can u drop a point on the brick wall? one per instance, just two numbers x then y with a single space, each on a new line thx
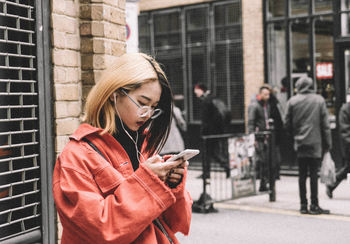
103 36
66 68
86 36
253 49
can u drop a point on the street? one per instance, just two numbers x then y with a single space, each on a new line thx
233 225
256 220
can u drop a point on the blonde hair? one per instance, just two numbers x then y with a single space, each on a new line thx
129 71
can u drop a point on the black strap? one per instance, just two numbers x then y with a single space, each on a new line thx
160 226
94 147
156 222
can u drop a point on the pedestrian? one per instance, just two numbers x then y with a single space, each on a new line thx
276 113
258 121
175 142
307 121
109 183
344 131
212 124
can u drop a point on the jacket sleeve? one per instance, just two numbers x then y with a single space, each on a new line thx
325 128
344 123
251 118
288 121
117 216
181 123
178 215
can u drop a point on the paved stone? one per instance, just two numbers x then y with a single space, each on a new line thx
287 196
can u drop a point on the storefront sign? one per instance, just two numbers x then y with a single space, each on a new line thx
324 70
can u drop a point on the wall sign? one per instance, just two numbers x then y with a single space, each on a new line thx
324 70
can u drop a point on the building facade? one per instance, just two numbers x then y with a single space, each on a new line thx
218 43
236 46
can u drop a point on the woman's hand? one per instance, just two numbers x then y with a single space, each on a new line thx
175 175
162 169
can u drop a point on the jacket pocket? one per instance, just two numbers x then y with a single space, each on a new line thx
108 179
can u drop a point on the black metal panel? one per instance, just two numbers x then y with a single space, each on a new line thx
21 164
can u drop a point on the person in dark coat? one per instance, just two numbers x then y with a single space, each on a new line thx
307 121
212 124
258 121
344 130
276 114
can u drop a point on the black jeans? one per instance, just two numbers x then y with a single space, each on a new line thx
308 165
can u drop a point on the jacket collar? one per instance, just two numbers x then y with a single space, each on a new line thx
83 131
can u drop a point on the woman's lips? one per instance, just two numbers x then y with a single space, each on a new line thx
140 123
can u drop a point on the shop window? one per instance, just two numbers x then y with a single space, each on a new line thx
167 30
300 49
276 8
277 60
347 73
144 34
198 44
168 50
323 6
197 33
299 7
228 73
324 61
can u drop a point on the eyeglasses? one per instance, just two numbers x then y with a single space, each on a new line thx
144 111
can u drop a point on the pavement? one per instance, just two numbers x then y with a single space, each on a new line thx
287 197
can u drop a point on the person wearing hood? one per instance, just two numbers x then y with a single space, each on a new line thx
306 120
258 121
109 183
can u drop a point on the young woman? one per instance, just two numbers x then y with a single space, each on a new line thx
109 184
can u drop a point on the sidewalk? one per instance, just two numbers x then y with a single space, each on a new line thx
287 195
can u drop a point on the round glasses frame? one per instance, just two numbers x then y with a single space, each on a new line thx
144 111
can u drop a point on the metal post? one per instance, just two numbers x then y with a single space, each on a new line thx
272 190
205 203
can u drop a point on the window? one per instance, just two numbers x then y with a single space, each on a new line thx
198 43
300 42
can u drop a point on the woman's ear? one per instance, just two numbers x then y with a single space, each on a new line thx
114 94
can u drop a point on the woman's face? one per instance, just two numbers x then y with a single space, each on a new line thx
147 95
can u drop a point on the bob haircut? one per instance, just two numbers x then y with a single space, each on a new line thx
129 72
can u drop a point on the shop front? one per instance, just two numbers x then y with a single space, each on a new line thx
198 43
308 37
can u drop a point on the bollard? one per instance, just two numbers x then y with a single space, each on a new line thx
272 190
205 203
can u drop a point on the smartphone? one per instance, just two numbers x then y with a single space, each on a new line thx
185 155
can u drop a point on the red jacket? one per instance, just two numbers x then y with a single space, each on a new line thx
107 202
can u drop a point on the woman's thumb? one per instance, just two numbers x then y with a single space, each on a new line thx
155 159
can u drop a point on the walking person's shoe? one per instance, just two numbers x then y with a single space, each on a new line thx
303 209
263 186
329 191
315 209
228 172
